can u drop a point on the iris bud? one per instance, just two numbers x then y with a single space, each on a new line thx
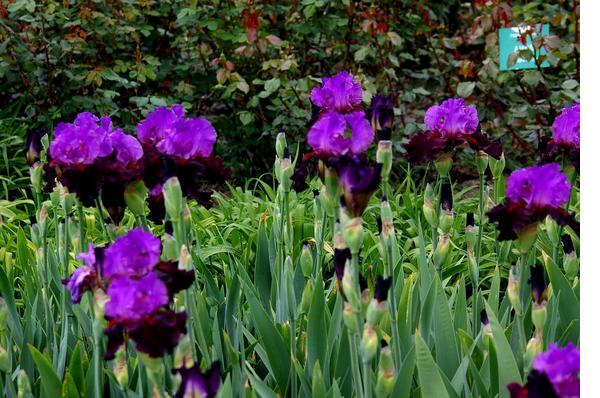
538 315
497 166
513 288
306 297
306 261
35 174
481 159
441 251
280 145
349 317
4 360
368 344
173 198
135 197
571 265
169 248
443 164
3 316
23 385
526 238
376 311
446 220
385 374
429 209
384 156
534 347
349 289
552 230
354 234
120 368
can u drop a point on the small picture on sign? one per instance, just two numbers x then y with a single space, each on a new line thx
519 38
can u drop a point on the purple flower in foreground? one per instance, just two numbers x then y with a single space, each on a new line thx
134 254
132 299
195 383
539 186
561 365
449 125
565 129
532 193
339 93
85 278
555 373
452 118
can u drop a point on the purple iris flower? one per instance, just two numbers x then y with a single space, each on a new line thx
554 374
539 286
452 118
171 134
342 127
532 193
80 142
195 383
340 256
449 125
561 365
382 287
565 140
358 180
565 129
339 93
134 255
86 277
382 115
127 149
131 299
159 124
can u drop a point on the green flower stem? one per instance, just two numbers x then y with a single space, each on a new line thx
367 379
107 234
293 358
81 220
97 330
389 271
356 378
481 211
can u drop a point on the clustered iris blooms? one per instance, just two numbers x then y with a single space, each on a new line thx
450 124
342 127
565 135
140 289
532 193
555 373
182 147
90 156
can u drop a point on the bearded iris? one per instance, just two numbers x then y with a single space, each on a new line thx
532 193
566 135
195 383
342 127
90 156
140 289
555 373
181 147
449 125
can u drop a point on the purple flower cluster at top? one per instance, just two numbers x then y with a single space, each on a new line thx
140 289
449 124
342 127
174 135
555 373
565 129
532 193
90 138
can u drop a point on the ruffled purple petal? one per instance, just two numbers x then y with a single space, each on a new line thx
158 124
562 366
338 93
83 279
326 136
188 139
362 133
565 129
130 299
134 254
451 118
539 186
127 148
